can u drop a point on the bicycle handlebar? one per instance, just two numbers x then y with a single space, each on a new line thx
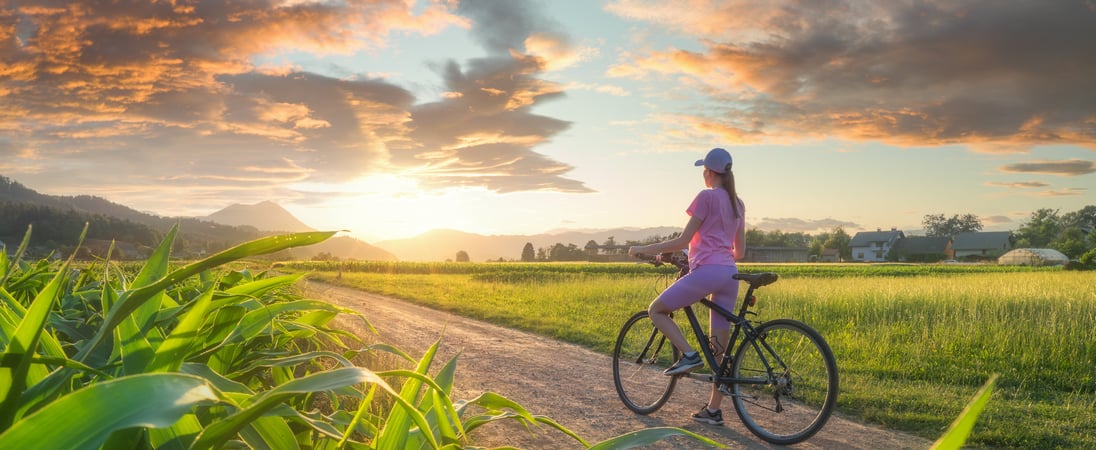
663 258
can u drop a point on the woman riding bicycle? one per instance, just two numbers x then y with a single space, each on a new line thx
714 236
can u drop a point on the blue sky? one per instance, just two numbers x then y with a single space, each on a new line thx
389 118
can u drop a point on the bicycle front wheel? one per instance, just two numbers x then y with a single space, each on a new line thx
792 387
639 357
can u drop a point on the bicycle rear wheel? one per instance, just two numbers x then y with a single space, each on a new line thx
639 357
792 401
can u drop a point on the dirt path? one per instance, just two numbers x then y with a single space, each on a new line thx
570 384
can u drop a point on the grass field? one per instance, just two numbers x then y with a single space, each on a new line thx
913 343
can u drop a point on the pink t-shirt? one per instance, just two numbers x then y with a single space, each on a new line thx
713 243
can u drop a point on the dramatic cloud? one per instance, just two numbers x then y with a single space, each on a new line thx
996 76
1068 168
166 94
482 132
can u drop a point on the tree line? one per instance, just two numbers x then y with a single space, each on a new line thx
1072 233
57 228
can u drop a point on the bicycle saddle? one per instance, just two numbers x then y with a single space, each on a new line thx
757 279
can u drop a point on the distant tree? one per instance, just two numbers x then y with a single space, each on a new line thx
654 239
1078 234
815 248
569 252
1072 242
528 253
591 245
1040 230
1084 218
755 237
936 225
840 240
324 256
777 238
462 256
610 241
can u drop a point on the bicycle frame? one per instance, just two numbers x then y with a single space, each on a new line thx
740 325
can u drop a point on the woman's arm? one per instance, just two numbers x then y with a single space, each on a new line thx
674 244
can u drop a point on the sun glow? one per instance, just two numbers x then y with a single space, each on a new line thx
391 206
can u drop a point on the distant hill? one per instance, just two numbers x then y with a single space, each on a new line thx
271 217
58 220
440 245
343 247
266 216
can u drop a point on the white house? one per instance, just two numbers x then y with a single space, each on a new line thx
869 246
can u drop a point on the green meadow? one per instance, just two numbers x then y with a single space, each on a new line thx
913 342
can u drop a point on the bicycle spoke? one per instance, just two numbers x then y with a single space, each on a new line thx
639 357
800 382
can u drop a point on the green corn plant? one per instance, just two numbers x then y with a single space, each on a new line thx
200 356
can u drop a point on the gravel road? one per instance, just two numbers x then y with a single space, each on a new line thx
570 384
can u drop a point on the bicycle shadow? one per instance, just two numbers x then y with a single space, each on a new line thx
688 397
691 395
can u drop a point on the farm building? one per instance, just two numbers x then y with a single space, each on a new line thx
830 255
874 245
1033 257
981 244
920 249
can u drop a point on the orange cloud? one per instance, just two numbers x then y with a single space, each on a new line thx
148 89
930 73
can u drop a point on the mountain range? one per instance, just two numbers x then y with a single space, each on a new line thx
240 223
197 236
263 215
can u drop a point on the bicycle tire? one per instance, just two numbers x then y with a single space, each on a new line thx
799 395
640 355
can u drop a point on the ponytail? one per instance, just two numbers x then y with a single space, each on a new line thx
728 185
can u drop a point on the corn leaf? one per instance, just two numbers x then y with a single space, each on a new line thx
18 254
257 321
86 418
184 337
134 349
359 415
215 435
179 436
259 287
155 268
270 432
5 264
15 365
649 436
445 421
394 433
960 429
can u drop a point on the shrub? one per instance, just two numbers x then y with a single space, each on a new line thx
1088 260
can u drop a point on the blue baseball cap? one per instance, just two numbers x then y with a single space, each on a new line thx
716 160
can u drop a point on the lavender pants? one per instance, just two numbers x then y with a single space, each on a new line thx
698 283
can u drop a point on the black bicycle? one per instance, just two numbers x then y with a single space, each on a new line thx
781 377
